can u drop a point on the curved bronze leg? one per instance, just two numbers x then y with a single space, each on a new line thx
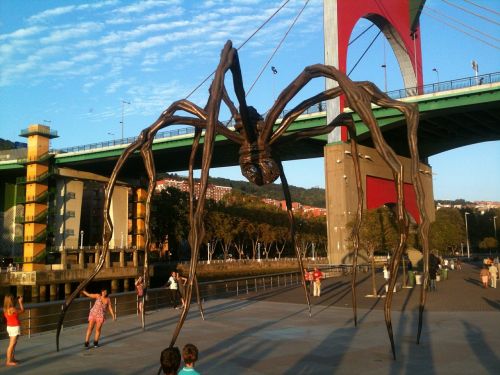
291 220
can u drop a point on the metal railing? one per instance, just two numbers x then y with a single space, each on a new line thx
43 317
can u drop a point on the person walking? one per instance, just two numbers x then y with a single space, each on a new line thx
173 288
484 274
493 271
11 315
97 315
139 289
317 276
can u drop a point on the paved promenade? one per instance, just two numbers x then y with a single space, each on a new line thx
271 333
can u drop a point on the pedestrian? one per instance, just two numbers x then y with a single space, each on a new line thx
485 275
459 264
11 315
190 356
173 288
181 283
307 280
493 271
139 289
387 273
170 361
97 315
317 276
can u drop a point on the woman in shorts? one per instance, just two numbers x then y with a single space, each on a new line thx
11 314
97 315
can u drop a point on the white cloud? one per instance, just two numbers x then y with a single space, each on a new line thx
143 6
71 32
59 11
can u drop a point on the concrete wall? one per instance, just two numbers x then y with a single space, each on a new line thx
341 191
119 216
67 226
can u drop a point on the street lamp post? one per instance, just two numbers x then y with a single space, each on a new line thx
495 229
123 111
437 73
81 239
258 251
208 252
467 234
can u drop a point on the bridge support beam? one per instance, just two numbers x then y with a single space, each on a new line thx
378 188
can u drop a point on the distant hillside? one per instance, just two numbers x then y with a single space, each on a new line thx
312 197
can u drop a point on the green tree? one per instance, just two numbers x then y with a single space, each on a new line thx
447 232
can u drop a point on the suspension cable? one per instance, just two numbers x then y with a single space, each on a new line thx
277 47
482 7
460 30
241 46
461 23
368 28
364 53
470 12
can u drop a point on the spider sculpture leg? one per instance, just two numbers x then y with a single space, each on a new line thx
164 120
346 120
411 114
197 229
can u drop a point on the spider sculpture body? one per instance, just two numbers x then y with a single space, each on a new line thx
259 160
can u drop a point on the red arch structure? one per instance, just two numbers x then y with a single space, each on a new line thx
397 19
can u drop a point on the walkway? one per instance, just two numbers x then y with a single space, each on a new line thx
272 334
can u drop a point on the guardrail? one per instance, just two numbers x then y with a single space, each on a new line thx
43 317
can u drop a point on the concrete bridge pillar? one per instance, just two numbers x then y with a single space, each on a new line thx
378 189
43 292
115 286
64 260
108 259
81 258
126 285
53 292
67 289
135 258
122 258
20 290
35 295
97 255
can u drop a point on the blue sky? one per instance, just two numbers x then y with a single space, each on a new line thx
70 64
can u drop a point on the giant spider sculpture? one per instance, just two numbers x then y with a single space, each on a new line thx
260 163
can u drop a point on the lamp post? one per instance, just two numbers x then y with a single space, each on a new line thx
467 234
121 241
495 229
258 251
437 73
123 111
208 252
81 239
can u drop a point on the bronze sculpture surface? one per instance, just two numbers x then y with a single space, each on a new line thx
260 163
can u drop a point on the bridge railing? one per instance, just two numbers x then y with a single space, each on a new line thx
454 84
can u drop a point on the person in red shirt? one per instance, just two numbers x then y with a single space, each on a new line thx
11 314
317 276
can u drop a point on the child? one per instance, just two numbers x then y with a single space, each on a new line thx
190 356
170 361
11 313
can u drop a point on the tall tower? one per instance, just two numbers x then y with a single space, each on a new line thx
398 21
37 194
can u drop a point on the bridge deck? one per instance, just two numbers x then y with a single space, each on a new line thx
272 334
